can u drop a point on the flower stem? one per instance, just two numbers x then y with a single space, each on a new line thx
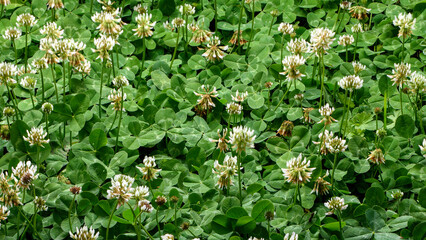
282 99
282 49
115 117
143 54
32 99
26 48
403 48
42 85
109 220
332 174
400 100
337 19
239 178
1 11
91 7
239 24
356 45
344 112
69 212
47 125
100 89
16 52
341 20
215 15
347 55
53 14
347 112
15 105
174 52
270 27
252 29
322 80
340 221
119 120
54 82
156 219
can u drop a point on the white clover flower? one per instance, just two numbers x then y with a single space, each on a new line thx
8 111
239 97
141 192
400 73
291 64
148 171
397 194
234 108
36 137
254 238
4 2
298 170
214 52
7 71
351 82
321 185
346 40
40 63
109 24
167 237
4 213
140 9
326 112
406 23
321 40
103 45
12 33
335 203
145 206
293 236
55 4
26 172
359 12
26 20
178 22
417 82
298 46
225 171
116 98
286 28
357 28
84 234
336 145
84 67
52 31
423 147
358 67
242 138
40 203
205 102
28 82
345 5
145 26
186 9
120 81
47 108
121 189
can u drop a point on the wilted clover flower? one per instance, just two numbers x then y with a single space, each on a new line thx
121 189
36 137
167 237
326 112
423 147
4 132
357 28
406 23
55 4
186 9
84 67
75 190
351 82
214 52
225 171
40 203
417 82
293 236
222 142
145 25
75 57
234 38
199 35
286 128
321 185
400 73
306 117
376 156
47 108
321 40
11 197
397 194
234 108
28 82
103 45
298 46
26 173
12 33
4 2
26 20
291 64
358 67
145 206
359 12
298 170
335 203
4 213
242 138
160 200
240 96
116 98
286 28
346 40
120 81
8 111
85 234
52 31
148 171
345 5
205 102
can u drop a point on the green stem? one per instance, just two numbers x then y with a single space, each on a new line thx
174 52
113 64
282 48
16 52
332 174
134 221
69 212
115 117
1 11
347 55
300 196
269 229
252 28
239 23
13 102
322 80
156 219
8 122
215 16
32 99
344 112
347 113
119 120
337 19
143 54
340 221
356 45
400 100
91 7
282 99
100 89
403 48
42 86
385 106
47 125
29 222
239 178
270 27
26 48
63 78
54 82
175 217
109 220
314 70
53 14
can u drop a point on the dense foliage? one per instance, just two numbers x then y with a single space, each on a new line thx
212 119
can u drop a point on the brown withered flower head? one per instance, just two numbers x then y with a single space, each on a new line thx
359 12
75 190
286 129
321 185
376 156
205 103
306 117
234 38
222 142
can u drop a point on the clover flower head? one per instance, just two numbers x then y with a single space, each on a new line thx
26 172
351 82
406 23
85 234
234 108
225 171
47 108
186 9
205 102
199 35
4 2
214 52
75 190
242 138
178 22
357 28
293 236
26 20
148 171
140 193
28 82
359 12
376 156
321 40
145 206
286 28
104 44
298 170
321 185
4 213
12 33
346 40
397 194
55 4
234 38
116 98
345 5
167 237
335 204
140 9
326 112
222 142
358 67
423 147
306 117
7 71
84 67
8 111
286 129
298 46
36 137
121 189
52 31
120 81
400 73
255 238
417 82
145 25
40 203
291 64
240 96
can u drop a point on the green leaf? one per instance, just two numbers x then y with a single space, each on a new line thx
255 101
333 226
79 103
374 196
260 208
167 7
404 126
221 224
98 172
374 219
236 212
98 138
246 224
61 112
17 131
160 79
197 62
